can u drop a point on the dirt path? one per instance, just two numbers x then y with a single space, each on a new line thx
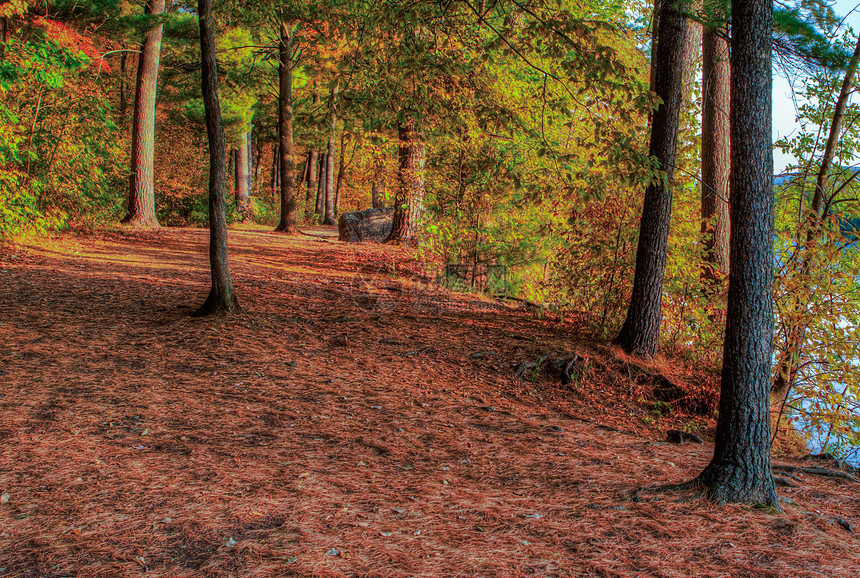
355 421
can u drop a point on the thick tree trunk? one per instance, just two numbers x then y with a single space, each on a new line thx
409 198
641 330
289 216
141 204
222 297
243 178
716 163
740 470
141 197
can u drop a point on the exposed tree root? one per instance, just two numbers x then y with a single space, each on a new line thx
817 472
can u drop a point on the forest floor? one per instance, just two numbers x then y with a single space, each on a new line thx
355 420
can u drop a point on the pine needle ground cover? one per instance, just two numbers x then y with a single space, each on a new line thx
355 420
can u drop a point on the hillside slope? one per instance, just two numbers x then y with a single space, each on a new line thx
355 420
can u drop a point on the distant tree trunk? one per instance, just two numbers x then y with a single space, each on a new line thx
341 169
141 197
641 330
243 178
409 198
313 171
377 188
285 132
692 50
257 165
655 26
321 186
123 86
740 470
819 205
232 173
275 157
328 218
303 181
716 162
222 297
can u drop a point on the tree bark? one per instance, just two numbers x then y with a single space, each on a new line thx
243 178
312 192
329 178
303 180
123 82
256 167
341 169
740 470
141 196
377 188
274 181
716 163
321 186
289 215
222 297
409 198
692 49
641 330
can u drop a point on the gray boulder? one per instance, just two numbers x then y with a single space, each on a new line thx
373 225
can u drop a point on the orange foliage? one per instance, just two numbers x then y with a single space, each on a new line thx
72 40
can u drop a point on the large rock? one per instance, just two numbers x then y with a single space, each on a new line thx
372 225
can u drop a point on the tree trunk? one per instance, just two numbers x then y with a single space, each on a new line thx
274 186
285 132
243 178
341 169
141 197
641 330
377 188
329 178
222 297
409 198
321 186
820 205
257 165
303 180
740 470
123 84
312 192
716 164
692 49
